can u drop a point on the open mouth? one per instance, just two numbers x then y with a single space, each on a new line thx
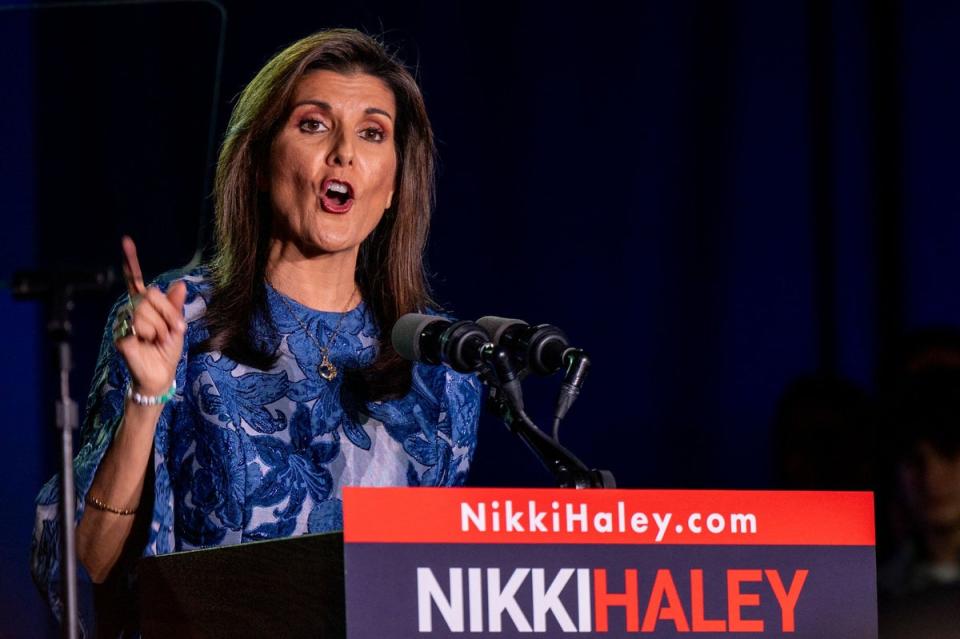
336 196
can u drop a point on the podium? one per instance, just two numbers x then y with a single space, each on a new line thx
280 588
444 562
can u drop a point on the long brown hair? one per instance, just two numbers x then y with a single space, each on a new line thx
390 270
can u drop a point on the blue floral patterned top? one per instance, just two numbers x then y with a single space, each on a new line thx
242 454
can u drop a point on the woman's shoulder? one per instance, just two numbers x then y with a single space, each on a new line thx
197 278
198 281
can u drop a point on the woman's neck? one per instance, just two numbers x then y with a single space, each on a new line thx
323 282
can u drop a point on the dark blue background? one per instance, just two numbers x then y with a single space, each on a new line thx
712 198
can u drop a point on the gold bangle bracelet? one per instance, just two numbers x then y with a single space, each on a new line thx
99 505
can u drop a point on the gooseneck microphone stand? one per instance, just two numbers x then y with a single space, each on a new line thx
566 468
59 290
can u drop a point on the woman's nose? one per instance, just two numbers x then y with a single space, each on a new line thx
341 154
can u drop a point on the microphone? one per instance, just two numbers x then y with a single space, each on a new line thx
544 349
463 346
540 348
437 340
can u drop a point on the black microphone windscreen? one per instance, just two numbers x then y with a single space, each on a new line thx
497 326
407 331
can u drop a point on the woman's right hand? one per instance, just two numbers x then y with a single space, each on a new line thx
154 347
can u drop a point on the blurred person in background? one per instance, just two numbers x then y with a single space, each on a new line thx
924 442
919 573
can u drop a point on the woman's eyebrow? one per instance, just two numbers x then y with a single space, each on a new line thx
326 107
317 103
372 110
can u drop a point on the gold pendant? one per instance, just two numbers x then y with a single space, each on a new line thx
326 368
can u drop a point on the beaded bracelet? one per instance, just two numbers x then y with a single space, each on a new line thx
99 505
151 400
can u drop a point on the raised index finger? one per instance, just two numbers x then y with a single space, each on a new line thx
131 267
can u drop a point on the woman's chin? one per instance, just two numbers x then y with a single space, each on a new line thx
327 244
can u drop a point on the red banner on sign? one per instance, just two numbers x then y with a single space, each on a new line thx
551 516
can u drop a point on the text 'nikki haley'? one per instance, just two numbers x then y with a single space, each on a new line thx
579 600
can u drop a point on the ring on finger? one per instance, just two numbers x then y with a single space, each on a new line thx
123 325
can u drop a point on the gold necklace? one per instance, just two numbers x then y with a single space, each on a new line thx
325 368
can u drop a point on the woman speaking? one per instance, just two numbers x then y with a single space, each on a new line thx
232 402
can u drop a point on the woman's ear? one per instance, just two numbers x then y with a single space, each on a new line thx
389 200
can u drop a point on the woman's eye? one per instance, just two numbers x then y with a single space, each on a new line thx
373 134
311 125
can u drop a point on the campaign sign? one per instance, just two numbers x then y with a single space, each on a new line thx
443 562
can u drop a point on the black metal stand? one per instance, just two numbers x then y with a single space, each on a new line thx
59 290
566 468
59 330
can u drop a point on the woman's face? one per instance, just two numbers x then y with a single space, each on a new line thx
333 163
